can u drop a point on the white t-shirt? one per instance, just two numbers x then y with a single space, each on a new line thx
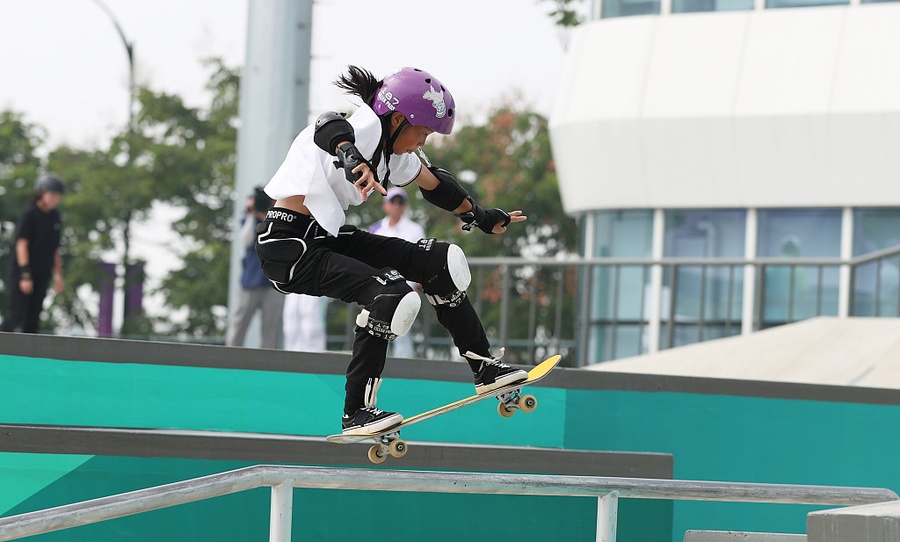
404 229
309 171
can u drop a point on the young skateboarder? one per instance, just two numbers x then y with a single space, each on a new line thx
305 247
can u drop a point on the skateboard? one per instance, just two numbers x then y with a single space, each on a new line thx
388 441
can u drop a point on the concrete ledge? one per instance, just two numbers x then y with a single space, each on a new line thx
868 523
734 536
312 450
229 357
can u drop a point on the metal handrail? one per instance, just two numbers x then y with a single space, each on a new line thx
569 334
283 478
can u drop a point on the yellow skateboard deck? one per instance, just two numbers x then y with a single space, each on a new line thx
388 441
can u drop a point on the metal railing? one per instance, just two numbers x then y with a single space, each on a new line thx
540 307
282 480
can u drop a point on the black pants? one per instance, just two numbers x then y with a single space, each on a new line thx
25 309
301 257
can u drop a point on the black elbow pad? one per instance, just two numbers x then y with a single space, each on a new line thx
332 128
447 195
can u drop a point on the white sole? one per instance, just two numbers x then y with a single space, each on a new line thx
511 379
386 423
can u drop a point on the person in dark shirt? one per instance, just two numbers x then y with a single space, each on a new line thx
37 259
256 293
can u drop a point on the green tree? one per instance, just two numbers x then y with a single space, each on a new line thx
565 12
205 188
176 155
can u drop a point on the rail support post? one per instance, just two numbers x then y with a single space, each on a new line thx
607 516
282 512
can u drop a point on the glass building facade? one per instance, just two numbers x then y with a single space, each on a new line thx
625 8
794 258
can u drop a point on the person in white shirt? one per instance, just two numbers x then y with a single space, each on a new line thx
303 322
396 224
305 246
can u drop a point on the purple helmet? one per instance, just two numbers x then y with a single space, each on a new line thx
422 99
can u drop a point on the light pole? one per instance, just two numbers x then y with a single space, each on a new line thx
126 228
129 50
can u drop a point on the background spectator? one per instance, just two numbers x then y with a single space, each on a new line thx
256 292
37 258
395 224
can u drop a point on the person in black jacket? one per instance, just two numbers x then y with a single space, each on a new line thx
37 259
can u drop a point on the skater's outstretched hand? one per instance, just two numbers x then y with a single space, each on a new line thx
514 216
366 183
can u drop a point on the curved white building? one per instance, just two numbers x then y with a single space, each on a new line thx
760 141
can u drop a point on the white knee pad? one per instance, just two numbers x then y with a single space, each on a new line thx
458 267
405 314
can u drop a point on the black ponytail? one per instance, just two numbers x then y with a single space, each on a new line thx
361 82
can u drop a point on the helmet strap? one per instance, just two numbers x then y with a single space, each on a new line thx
389 147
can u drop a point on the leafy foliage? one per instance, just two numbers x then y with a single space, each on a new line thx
563 13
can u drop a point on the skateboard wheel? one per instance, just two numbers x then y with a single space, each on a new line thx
528 403
505 412
398 448
376 455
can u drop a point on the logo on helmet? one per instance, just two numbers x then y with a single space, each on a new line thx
388 99
437 100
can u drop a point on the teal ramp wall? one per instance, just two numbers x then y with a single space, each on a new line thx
208 390
716 430
747 439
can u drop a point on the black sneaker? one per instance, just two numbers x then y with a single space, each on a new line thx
493 374
369 420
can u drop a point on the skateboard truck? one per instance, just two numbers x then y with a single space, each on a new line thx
512 400
388 444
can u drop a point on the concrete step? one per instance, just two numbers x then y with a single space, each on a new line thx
735 536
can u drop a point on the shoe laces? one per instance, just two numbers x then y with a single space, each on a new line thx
375 411
489 361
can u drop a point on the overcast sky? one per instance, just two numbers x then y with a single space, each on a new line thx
64 66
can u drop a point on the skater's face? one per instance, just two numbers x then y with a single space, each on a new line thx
411 137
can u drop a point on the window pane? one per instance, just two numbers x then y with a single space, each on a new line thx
875 229
620 292
876 288
797 292
799 233
688 6
705 234
623 234
609 341
804 3
625 8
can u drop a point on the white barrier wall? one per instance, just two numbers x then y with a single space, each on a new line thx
772 108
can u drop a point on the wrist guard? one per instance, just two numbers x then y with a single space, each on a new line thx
483 219
332 128
348 158
24 272
448 194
